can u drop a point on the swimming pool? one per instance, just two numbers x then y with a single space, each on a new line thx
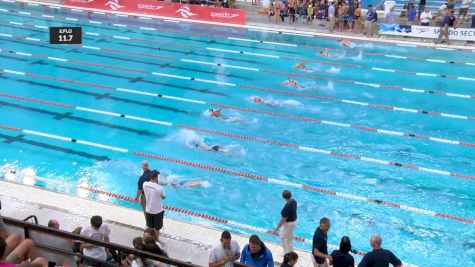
379 138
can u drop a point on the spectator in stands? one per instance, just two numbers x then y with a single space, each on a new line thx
76 245
283 10
22 254
153 206
133 260
145 177
151 246
277 10
291 6
426 16
422 6
224 253
411 15
53 224
288 222
150 232
310 12
256 253
319 245
391 16
448 21
271 11
358 18
341 257
11 240
342 16
331 16
98 231
351 15
450 5
464 6
378 256
371 19
290 259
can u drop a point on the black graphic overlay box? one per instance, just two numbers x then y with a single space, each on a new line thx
65 35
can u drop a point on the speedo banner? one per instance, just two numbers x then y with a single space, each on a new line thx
166 9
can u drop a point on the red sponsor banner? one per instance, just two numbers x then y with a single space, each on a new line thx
166 9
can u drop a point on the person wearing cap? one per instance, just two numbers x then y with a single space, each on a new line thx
153 203
288 222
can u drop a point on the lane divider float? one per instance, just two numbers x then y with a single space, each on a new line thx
244 174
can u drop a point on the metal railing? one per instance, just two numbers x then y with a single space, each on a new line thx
122 250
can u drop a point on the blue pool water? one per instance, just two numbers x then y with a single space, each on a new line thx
425 240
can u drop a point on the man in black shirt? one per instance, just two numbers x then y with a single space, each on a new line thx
145 177
288 221
319 247
379 257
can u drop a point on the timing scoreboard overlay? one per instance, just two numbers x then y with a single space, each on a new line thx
65 35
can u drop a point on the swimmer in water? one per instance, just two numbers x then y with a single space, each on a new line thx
260 101
324 53
291 82
194 183
345 42
205 147
300 66
216 113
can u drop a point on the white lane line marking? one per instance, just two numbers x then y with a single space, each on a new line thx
346 125
6 35
171 75
215 82
14 72
121 37
314 150
413 90
24 13
367 84
118 149
32 4
386 70
466 78
282 44
91 47
426 74
98 111
32 39
148 120
394 56
354 102
408 45
453 116
92 33
47 16
76 10
40 27
144 18
119 25
458 95
55 7
58 59
147 28
443 48
242 39
298 34
222 50
218 64
405 109
15 23
8 1
259 30
57 137
169 20
471 64
98 12
71 19
436 60
95 22
121 15
136 92
24 54
3 10
183 99
260 55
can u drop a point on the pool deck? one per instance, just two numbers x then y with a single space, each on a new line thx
184 241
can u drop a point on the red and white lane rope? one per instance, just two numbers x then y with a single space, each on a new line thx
373 85
347 125
218 220
380 69
358 103
244 174
101 86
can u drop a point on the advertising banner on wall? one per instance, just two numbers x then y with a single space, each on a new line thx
461 34
166 9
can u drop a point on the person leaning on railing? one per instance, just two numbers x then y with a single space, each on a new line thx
23 253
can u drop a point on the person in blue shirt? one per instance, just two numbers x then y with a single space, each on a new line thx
256 253
341 257
447 21
378 256
145 177
370 20
411 15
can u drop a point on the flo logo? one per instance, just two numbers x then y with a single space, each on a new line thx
185 12
114 4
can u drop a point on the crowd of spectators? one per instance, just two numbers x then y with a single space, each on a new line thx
215 3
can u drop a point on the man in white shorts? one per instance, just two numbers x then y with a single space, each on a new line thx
153 203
